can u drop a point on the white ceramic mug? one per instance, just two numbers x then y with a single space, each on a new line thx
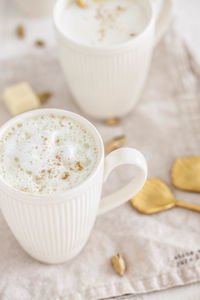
36 8
107 81
54 228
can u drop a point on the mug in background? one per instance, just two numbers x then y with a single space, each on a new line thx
107 81
36 8
55 227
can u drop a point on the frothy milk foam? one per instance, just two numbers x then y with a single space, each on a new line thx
103 22
47 154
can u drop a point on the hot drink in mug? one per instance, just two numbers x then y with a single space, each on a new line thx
105 50
52 168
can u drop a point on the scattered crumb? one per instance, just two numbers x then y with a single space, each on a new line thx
20 31
132 34
44 97
39 43
112 121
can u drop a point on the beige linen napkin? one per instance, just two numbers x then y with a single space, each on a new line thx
161 250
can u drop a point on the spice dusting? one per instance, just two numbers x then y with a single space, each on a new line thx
79 166
65 176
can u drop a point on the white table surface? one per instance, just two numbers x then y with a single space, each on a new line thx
187 13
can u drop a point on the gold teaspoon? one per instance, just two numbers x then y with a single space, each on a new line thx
185 173
156 196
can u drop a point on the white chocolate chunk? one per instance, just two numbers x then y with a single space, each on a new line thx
20 98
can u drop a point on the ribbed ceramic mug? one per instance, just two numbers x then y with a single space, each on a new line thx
107 81
55 227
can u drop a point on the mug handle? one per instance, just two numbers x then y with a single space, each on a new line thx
117 158
163 20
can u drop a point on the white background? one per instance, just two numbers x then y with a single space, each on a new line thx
187 18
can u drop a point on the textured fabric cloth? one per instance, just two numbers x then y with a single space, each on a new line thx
161 250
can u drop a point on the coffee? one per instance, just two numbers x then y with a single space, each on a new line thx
104 22
47 154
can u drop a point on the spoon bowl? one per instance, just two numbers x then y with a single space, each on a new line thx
156 196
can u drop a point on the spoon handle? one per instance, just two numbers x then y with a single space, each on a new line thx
188 205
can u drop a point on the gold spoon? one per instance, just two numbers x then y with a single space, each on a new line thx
156 196
185 173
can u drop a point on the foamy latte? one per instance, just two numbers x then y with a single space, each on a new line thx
46 154
103 22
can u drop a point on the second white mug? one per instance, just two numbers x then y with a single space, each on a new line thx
107 81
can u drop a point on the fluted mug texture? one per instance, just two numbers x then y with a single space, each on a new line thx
108 81
54 227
